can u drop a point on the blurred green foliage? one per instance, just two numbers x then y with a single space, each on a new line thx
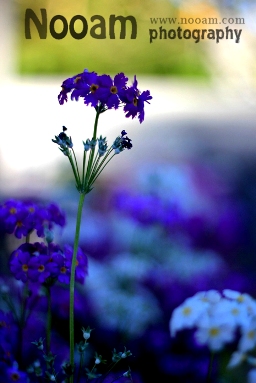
161 57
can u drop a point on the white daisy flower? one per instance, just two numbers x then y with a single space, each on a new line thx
243 299
186 315
214 333
248 338
232 312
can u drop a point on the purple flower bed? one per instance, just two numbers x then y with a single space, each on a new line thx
146 261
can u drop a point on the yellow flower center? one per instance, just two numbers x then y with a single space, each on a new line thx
187 311
113 89
251 334
135 101
25 268
240 299
235 311
214 331
93 88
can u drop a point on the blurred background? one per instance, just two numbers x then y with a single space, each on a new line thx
180 203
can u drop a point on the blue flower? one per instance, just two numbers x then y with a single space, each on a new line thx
121 143
89 144
102 144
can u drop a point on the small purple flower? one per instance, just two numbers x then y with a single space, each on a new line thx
19 264
134 101
109 89
86 86
13 374
46 217
81 263
63 270
14 215
55 215
67 86
40 268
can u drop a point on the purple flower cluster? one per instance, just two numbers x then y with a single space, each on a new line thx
22 217
38 263
219 229
102 90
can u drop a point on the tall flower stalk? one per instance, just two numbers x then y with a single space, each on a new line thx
103 93
72 280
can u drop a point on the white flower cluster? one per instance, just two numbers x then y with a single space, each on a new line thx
114 290
216 318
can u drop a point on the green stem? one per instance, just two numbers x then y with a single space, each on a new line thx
94 165
77 170
11 306
80 367
95 176
72 282
22 322
93 149
21 319
74 171
110 369
208 378
96 124
83 173
49 319
83 190
96 168
28 237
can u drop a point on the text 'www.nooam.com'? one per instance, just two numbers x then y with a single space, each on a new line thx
195 34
